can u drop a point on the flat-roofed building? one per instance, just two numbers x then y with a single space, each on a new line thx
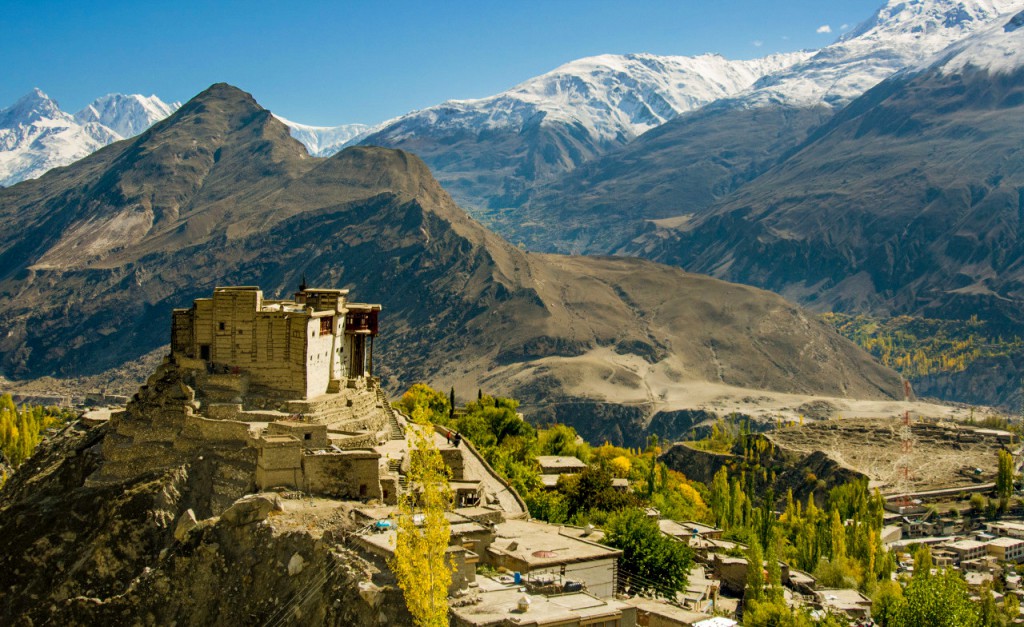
966 550
1006 549
559 464
538 549
846 600
688 530
511 606
1006 528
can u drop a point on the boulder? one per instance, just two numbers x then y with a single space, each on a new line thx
250 509
186 523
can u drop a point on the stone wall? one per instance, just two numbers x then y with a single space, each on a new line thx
279 463
347 475
311 435
453 459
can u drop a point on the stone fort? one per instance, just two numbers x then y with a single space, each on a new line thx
277 395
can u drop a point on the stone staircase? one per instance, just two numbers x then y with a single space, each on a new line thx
397 430
395 468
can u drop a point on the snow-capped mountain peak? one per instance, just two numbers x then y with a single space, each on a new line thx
35 135
612 97
34 105
901 34
324 141
997 49
126 115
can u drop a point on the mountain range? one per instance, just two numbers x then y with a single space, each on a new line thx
220 193
908 201
682 167
798 173
36 136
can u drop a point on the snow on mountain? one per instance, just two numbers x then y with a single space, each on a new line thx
611 97
35 135
324 141
998 49
126 115
901 34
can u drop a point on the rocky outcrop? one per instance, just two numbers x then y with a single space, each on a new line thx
132 540
161 428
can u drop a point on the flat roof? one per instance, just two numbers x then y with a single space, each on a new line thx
540 544
496 606
843 598
685 528
549 481
716 621
559 461
1006 524
1005 541
665 609
965 545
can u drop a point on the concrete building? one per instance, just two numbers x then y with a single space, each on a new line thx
541 552
554 466
510 606
1006 528
1006 549
659 613
966 550
688 531
846 600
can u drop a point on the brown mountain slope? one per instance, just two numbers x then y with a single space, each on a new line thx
910 201
219 194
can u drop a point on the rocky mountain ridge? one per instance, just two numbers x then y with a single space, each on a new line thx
241 202
486 152
678 170
906 202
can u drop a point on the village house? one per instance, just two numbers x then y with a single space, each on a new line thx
554 466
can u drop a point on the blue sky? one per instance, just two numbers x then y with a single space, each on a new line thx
360 61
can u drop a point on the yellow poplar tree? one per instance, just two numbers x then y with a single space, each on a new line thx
420 563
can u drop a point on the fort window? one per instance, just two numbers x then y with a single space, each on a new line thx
239 331
362 490
308 436
204 352
327 325
220 326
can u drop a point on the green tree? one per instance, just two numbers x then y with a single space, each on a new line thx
420 562
651 562
939 600
1004 477
774 614
754 589
423 403
719 499
562 440
886 602
592 489
1011 607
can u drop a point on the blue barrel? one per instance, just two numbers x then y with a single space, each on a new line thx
517 577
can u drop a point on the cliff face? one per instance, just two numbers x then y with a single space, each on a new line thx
140 521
